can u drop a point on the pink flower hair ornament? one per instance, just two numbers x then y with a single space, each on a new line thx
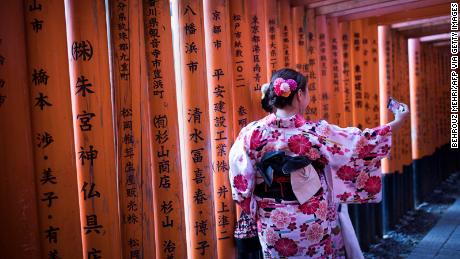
284 87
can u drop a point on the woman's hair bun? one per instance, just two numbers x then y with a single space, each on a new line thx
270 100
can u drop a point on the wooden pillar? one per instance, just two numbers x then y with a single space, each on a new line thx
93 126
324 76
259 54
219 77
415 98
168 199
241 52
370 75
366 77
201 234
299 41
398 84
273 37
385 79
54 151
345 70
336 94
314 107
403 96
129 79
286 38
20 236
357 73
425 65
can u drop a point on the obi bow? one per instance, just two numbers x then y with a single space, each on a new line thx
279 161
304 180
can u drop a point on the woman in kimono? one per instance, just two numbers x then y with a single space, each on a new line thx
295 212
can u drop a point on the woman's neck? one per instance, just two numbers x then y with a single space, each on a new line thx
286 112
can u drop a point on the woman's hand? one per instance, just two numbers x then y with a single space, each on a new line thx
400 117
403 115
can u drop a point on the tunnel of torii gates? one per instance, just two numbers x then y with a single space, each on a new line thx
117 116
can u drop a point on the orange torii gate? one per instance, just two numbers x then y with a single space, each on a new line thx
324 75
241 51
273 41
299 40
162 138
20 221
55 169
93 127
286 36
337 90
345 71
260 70
416 97
357 82
199 195
219 77
385 80
314 107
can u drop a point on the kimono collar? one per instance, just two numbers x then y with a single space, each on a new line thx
294 121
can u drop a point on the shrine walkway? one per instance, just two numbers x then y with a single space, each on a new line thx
443 241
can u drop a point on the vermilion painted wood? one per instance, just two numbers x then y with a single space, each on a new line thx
336 94
52 130
286 36
314 107
385 79
166 172
357 82
20 236
136 213
96 172
416 102
260 71
243 75
345 69
273 36
202 241
299 40
219 78
328 104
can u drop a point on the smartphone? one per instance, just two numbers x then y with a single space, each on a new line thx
394 105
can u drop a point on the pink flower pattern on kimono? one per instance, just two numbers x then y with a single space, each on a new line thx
271 236
299 144
240 182
346 173
335 149
313 154
315 232
361 180
373 185
286 247
321 212
347 161
280 218
310 207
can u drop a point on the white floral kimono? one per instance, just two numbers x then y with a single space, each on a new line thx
347 161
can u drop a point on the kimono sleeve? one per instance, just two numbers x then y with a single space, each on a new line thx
242 173
353 160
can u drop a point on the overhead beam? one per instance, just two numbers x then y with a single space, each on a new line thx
325 3
422 23
403 12
426 30
436 37
441 43
349 6
304 2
